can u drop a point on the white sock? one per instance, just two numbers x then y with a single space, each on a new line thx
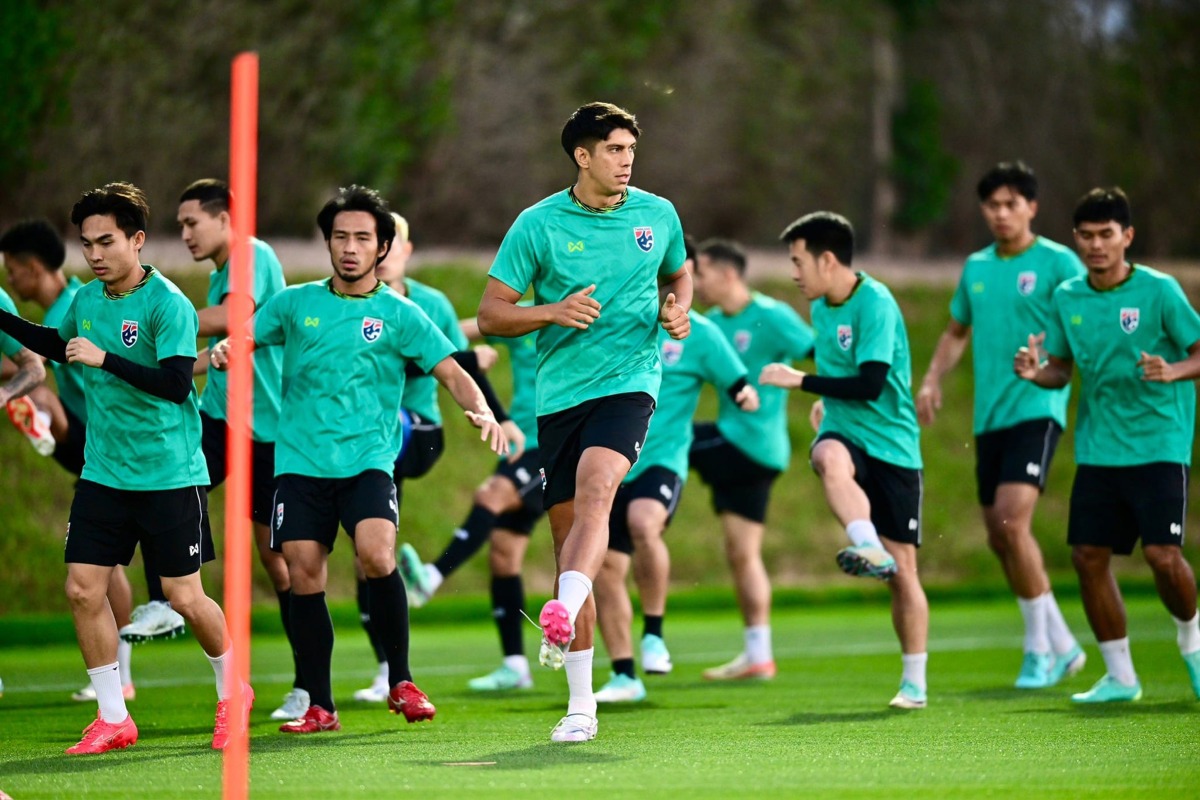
579 682
1189 634
106 681
914 668
435 577
44 418
1037 640
1119 661
862 531
573 590
518 664
222 665
124 653
382 675
758 644
1062 641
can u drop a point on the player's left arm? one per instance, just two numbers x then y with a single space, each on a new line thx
471 400
675 299
866 385
1159 370
1181 324
30 373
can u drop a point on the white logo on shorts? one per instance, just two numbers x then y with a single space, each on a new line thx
1033 470
1176 529
912 524
523 475
665 491
193 549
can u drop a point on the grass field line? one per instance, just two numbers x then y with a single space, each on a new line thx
822 650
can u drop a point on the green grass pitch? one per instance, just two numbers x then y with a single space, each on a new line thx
822 728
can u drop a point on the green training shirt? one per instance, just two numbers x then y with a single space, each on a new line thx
8 345
763 332
268 361
420 393
705 356
522 357
137 441
69 377
559 248
1124 420
869 327
343 375
1004 299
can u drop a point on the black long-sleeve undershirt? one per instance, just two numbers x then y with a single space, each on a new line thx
469 361
732 391
866 385
41 339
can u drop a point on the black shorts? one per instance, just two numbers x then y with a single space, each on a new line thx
310 509
214 439
425 447
1019 454
895 493
69 453
740 485
525 475
617 422
1114 506
656 483
170 524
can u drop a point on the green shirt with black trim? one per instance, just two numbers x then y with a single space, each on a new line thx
420 393
135 440
343 374
560 247
522 357
1124 420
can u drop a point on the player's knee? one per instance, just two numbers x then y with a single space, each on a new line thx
1088 560
1163 559
831 462
597 487
378 562
644 532
83 595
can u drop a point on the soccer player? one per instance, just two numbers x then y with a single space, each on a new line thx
1136 340
606 264
204 224
1003 293
33 257
345 342
867 452
740 455
143 475
647 499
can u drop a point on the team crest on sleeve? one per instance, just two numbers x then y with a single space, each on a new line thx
1026 283
129 332
644 238
372 328
845 336
741 341
1129 319
672 351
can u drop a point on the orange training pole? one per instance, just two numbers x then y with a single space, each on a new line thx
243 174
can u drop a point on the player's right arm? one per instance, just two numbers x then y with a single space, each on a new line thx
950 348
499 314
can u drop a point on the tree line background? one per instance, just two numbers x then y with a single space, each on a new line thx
753 110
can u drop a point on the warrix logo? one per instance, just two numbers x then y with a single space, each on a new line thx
575 247
644 238
845 336
1033 470
312 322
1129 319
87 325
371 328
193 549
1026 283
1176 529
129 332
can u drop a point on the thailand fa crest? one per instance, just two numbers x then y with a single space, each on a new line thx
371 328
644 238
279 516
672 351
129 332
1129 319
845 336
1026 283
741 341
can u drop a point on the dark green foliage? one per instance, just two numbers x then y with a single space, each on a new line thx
923 170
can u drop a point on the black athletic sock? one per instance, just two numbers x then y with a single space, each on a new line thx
623 666
652 626
508 598
313 645
285 615
477 530
364 616
389 616
153 581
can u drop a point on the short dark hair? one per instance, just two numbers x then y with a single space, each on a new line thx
124 202
726 251
1104 205
1016 175
37 238
689 248
593 123
212 194
823 231
359 198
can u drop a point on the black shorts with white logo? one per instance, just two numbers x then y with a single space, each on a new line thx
617 422
526 476
1115 506
740 485
214 439
310 509
894 492
425 446
1018 454
170 524
69 453
656 483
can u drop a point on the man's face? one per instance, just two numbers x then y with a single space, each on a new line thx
610 162
23 272
1102 245
1008 214
807 274
710 280
393 265
206 236
353 245
109 252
